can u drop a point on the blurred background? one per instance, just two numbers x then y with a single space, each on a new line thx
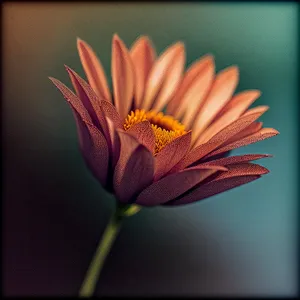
240 243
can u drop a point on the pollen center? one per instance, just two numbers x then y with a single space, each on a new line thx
165 127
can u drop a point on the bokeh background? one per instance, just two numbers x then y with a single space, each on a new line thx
242 242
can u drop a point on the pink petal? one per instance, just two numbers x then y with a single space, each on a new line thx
202 150
171 59
193 88
144 133
107 110
251 129
93 70
143 56
88 97
174 185
263 134
110 111
237 107
93 148
235 176
72 99
134 170
234 159
220 93
213 188
123 77
171 154
114 141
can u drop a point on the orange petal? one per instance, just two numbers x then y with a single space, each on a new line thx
123 77
171 82
93 70
202 150
72 99
144 134
86 94
261 108
142 55
235 176
171 58
264 133
174 185
193 93
221 92
195 70
134 170
237 106
171 154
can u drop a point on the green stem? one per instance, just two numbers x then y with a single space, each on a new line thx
105 244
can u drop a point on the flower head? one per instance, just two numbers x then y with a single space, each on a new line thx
150 157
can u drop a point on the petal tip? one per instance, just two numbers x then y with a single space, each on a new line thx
234 70
67 68
276 132
116 38
210 58
180 46
265 171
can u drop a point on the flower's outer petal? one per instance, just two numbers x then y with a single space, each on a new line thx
144 134
93 144
94 148
98 109
174 185
216 141
234 159
261 108
171 82
88 97
114 141
263 134
72 99
238 106
93 70
251 129
134 170
160 70
220 93
110 111
213 188
193 88
171 154
123 76
235 176
143 55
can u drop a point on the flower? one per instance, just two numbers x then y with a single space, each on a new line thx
150 157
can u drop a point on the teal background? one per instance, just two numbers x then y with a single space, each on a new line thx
242 242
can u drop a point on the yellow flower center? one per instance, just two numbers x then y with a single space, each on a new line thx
165 127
